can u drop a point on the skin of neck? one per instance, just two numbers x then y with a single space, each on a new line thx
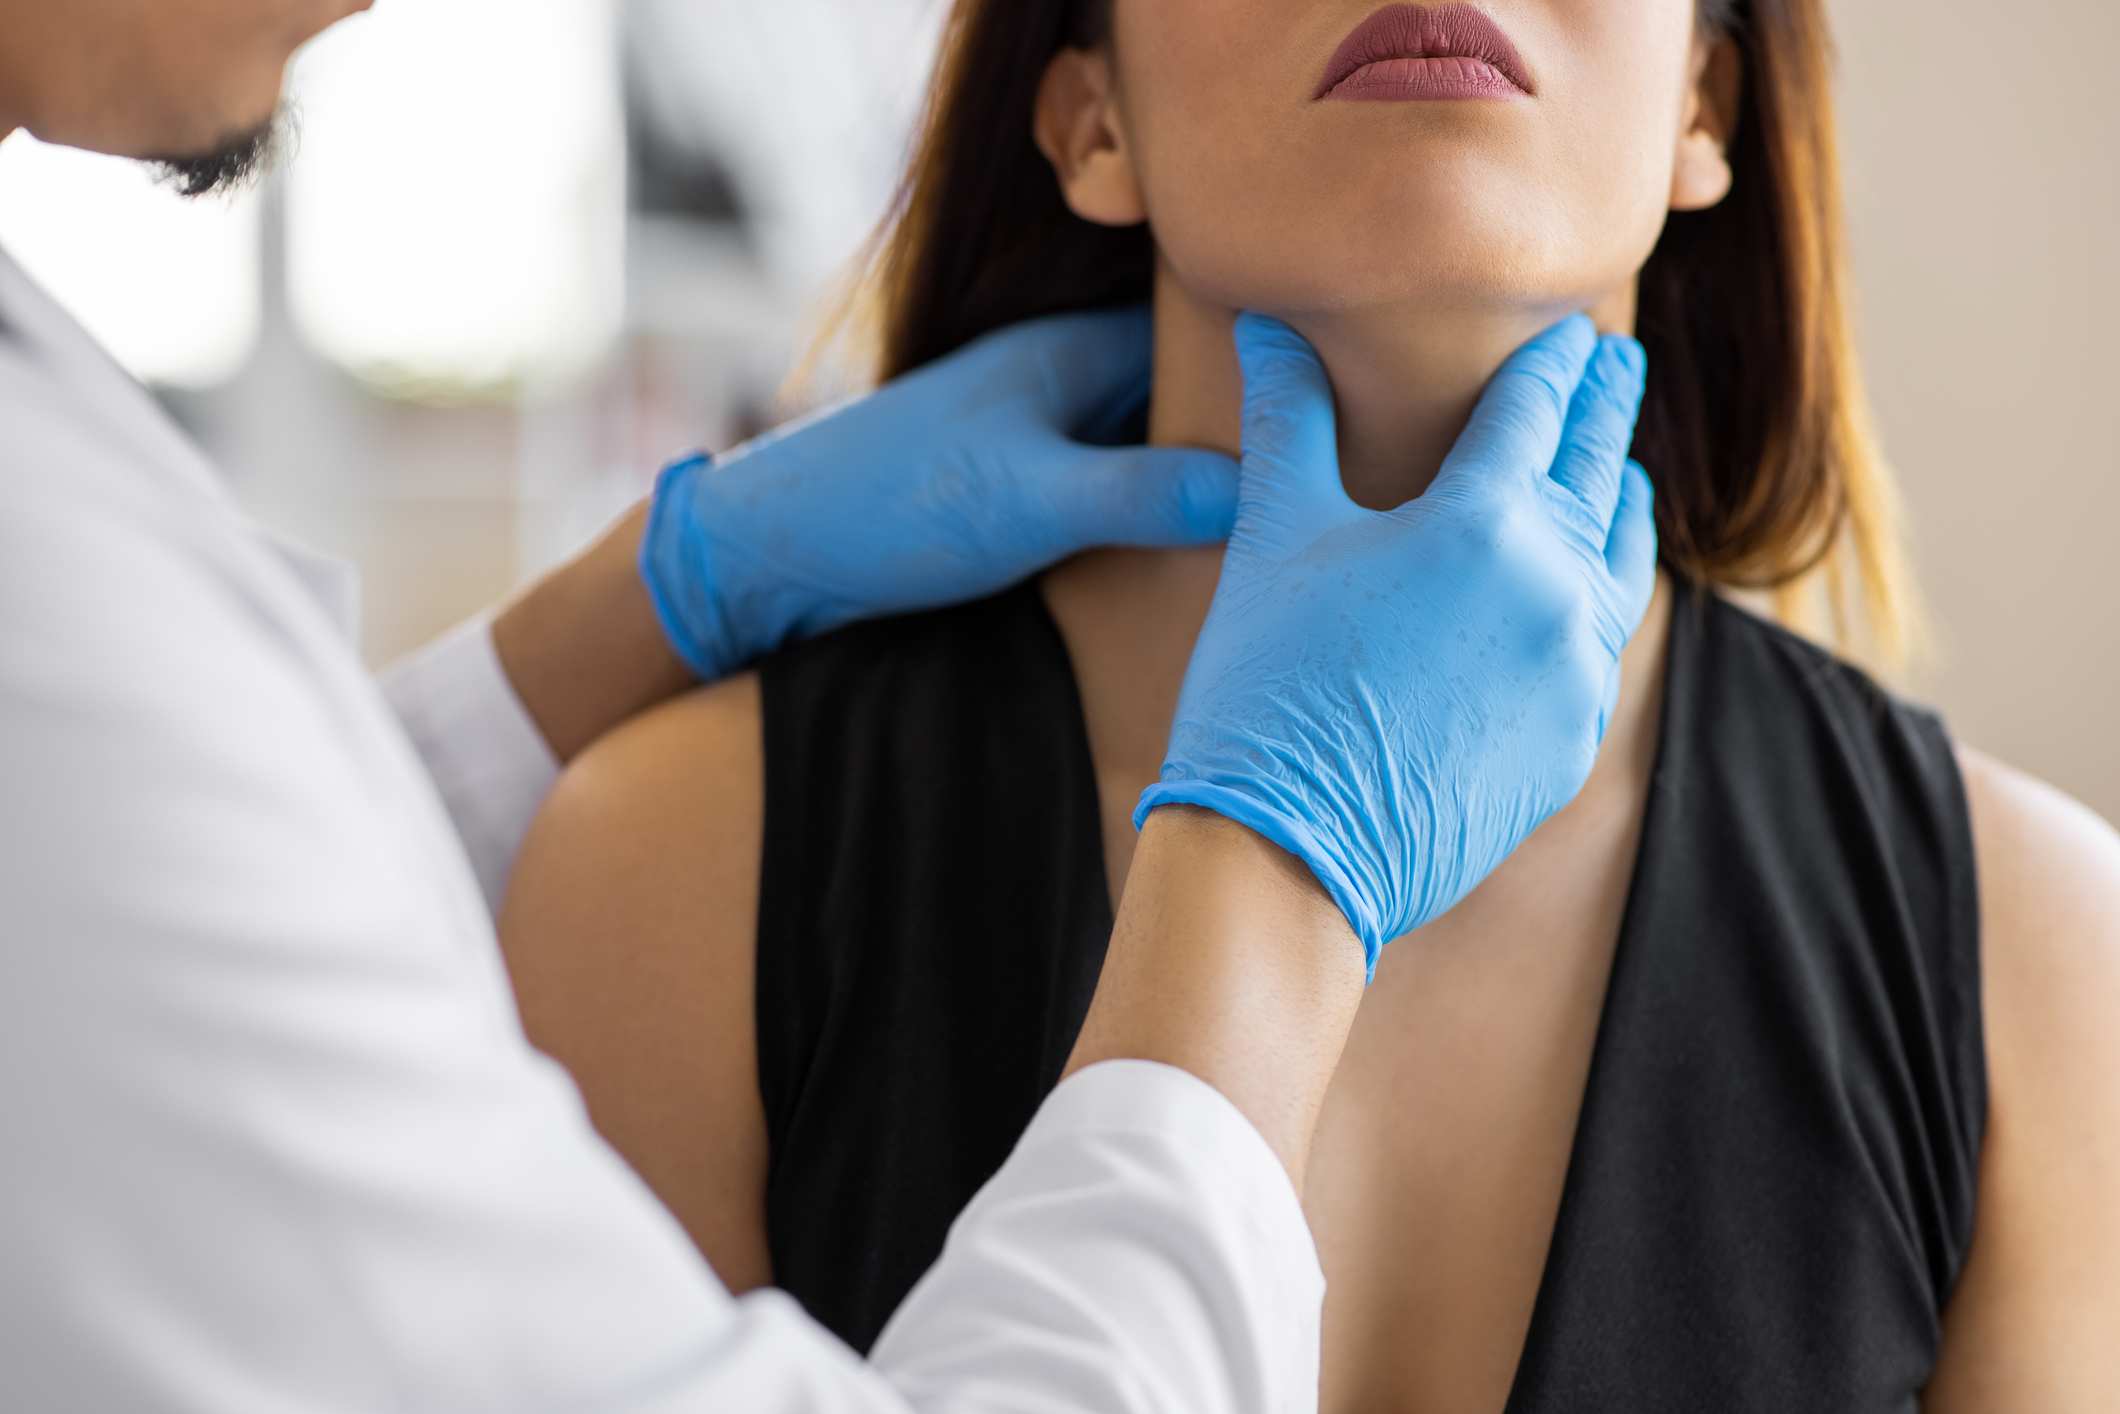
1404 380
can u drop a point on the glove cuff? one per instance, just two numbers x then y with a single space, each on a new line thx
1295 836
673 565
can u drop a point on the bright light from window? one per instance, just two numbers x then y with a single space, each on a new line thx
169 286
456 211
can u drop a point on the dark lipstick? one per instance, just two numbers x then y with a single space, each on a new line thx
1412 52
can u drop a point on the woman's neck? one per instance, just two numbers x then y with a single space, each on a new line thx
1404 382
1404 388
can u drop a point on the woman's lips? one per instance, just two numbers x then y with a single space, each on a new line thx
1410 52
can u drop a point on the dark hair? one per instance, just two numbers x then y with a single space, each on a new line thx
1754 428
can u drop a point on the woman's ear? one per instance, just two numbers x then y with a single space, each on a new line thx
1076 125
1700 176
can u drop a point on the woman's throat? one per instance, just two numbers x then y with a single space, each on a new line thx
1404 381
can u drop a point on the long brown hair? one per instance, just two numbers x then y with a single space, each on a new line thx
1754 427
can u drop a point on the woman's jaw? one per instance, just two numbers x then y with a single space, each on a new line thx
1416 244
1404 380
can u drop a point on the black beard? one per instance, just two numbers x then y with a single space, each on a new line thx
227 168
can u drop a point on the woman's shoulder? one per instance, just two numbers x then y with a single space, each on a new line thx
690 765
2049 876
2050 923
643 852
650 834
628 932
2048 863
2031 1323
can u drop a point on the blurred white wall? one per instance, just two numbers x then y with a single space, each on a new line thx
1985 203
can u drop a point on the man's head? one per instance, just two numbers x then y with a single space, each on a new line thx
190 84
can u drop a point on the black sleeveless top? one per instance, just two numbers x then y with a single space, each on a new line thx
1771 1190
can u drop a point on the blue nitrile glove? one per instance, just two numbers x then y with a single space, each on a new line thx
1398 698
950 483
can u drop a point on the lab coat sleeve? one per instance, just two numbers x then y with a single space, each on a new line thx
489 762
1142 1249
1141 1252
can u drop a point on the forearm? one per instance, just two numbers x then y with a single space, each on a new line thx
1230 962
583 647
1141 1248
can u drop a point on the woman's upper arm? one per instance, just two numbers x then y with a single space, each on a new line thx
2035 1322
630 929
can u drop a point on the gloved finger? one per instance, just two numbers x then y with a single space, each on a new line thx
1630 548
1146 496
1516 426
1291 433
1600 426
1089 369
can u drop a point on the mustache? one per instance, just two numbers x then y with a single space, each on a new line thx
230 165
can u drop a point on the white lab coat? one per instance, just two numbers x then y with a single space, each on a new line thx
271 1138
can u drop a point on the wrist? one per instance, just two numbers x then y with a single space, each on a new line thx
584 648
1249 800
1229 961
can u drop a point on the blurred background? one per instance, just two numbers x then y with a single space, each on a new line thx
526 249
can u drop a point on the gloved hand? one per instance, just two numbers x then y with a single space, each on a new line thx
1398 698
953 482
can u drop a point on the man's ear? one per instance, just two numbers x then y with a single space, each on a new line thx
1700 176
1076 125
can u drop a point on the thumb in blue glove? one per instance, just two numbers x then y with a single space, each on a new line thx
953 482
1398 698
